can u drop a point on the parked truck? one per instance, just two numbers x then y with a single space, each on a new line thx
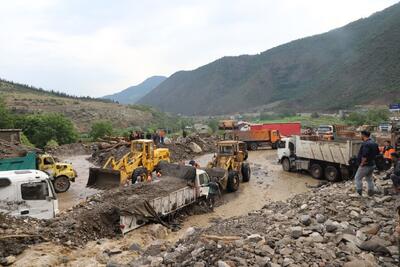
284 128
332 160
27 193
62 173
253 137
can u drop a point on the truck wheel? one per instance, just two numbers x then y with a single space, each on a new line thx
141 171
274 145
246 172
253 146
286 165
316 171
61 184
332 174
233 181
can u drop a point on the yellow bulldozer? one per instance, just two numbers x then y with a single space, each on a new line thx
142 159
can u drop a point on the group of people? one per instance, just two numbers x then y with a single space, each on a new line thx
158 136
366 158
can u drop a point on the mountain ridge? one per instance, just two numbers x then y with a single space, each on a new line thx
355 64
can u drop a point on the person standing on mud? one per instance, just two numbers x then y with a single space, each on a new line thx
366 159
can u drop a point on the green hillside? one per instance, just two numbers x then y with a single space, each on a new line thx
356 64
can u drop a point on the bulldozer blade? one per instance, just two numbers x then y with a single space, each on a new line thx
103 178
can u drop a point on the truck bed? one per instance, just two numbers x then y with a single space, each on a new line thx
330 151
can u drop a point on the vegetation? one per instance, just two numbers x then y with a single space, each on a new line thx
213 124
41 128
355 64
101 129
372 117
25 141
51 144
6 119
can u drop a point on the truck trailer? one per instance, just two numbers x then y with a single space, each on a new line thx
284 128
332 160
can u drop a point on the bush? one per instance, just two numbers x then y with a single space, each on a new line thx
101 129
41 128
371 117
314 115
213 124
51 144
6 119
25 141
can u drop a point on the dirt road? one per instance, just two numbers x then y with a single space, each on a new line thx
268 183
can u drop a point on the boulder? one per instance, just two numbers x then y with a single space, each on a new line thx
195 147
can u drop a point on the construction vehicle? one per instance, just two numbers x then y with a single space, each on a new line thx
62 174
232 159
142 159
252 137
27 193
284 128
333 160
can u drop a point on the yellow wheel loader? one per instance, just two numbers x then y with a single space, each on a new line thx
141 160
231 157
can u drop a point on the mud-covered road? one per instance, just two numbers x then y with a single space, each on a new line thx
268 183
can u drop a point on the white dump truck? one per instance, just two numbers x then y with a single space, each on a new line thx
332 160
178 193
27 193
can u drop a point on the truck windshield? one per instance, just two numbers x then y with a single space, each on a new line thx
48 161
324 129
138 147
35 190
281 144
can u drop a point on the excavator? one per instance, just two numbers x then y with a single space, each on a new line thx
142 159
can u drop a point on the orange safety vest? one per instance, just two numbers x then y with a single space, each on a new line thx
387 153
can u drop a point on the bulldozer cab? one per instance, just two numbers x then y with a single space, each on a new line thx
229 154
146 149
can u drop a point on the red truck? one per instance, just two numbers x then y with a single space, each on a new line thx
284 128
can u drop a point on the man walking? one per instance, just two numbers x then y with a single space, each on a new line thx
366 158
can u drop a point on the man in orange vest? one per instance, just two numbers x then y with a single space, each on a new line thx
388 150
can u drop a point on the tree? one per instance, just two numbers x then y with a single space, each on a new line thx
101 129
213 124
6 119
41 128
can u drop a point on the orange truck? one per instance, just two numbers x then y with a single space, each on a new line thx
254 137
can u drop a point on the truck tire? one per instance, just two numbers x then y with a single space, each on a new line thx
286 165
274 145
246 172
233 181
316 171
141 171
61 184
253 146
332 173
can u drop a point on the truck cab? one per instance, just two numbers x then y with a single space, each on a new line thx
27 193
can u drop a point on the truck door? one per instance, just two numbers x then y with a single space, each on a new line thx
47 165
203 183
37 198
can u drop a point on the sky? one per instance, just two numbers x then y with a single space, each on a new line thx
98 47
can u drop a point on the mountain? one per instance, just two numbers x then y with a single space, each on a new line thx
83 111
355 64
132 94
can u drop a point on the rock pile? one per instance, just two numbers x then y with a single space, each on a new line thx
330 226
11 150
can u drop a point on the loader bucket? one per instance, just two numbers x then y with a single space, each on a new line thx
103 178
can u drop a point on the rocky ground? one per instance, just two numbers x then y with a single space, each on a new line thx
330 226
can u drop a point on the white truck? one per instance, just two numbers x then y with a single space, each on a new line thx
332 160
152 209
27 193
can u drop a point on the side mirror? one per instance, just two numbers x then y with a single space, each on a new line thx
49 198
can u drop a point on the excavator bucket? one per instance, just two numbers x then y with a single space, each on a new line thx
103 178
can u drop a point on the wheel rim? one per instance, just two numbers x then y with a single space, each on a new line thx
61 184
316 172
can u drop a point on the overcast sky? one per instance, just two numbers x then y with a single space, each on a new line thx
97 47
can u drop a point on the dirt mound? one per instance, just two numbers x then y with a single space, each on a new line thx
11 150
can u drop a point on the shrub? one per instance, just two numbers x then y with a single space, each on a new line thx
101 129
51 144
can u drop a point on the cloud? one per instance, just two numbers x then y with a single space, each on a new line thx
90 47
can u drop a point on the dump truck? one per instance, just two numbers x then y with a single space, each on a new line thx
285 128
27 193
142 159
178 187
61 173
232 159
252 137
332 160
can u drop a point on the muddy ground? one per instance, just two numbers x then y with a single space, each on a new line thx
268 183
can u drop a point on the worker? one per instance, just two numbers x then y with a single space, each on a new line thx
213 193
395 174
162 135
387 150
194 164
366 159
